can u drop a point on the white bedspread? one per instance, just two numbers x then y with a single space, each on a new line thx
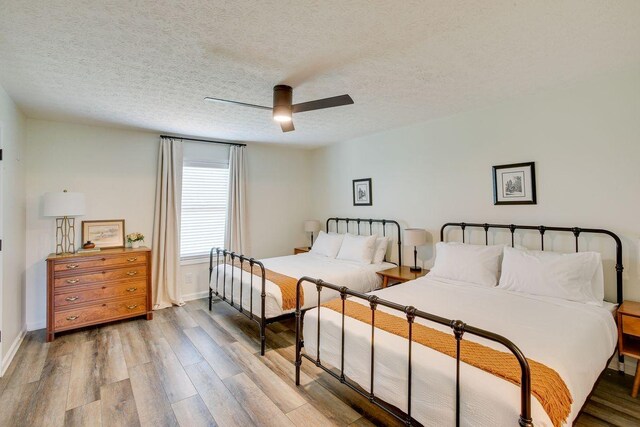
574 339
359 277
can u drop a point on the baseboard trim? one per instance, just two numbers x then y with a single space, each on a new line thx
8 358
195 295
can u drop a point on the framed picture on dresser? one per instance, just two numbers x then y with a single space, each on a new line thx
104 233
514 184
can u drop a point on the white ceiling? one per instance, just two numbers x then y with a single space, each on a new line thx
148 64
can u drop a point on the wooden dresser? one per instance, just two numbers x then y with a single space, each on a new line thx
92 288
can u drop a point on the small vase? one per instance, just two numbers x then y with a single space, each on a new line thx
136 244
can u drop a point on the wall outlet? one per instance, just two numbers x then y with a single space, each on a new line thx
188 279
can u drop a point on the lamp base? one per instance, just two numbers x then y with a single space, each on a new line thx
415 269
65 236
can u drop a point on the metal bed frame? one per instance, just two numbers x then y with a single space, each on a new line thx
261 319
458 328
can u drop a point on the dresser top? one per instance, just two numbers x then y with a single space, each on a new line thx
114 251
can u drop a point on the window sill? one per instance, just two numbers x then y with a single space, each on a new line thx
194 261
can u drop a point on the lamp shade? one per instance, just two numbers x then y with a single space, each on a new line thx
312 226
415 236
64 204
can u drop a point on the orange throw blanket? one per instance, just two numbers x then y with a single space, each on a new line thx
546 384
286 284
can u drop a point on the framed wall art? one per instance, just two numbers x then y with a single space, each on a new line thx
514 184
104 233
362 192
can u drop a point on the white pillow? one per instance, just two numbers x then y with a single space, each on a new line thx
327 244
478 264
573 276
357 248
382 243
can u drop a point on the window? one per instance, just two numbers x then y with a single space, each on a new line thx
205 187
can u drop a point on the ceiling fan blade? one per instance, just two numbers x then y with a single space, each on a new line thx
287 126
318 104
244 104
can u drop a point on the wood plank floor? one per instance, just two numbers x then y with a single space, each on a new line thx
192 367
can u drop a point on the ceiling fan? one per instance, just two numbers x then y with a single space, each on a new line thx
283 108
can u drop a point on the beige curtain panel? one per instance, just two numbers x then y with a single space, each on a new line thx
165 266
235 233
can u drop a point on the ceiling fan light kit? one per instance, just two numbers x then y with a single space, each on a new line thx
283 107
282 101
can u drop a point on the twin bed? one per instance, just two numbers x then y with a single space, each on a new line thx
266 301
424 367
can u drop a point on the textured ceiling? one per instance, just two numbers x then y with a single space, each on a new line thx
148 64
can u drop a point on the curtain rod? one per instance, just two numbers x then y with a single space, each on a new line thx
203 140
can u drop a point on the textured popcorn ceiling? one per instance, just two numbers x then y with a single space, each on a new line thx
148 64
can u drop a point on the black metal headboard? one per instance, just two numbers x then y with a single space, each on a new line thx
370 222
542 229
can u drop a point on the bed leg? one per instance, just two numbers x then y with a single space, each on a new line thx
263 338
621 364
210 298
298 360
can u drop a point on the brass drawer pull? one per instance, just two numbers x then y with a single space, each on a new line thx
71 298
131 273
132 259
73 281
72 317
72 266
132 289
131 307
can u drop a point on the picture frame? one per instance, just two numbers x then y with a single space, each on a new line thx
362 192
514 184
105 234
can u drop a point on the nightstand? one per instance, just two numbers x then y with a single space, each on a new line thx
301 250
399 275
629 336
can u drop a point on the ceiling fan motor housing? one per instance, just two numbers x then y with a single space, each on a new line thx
282 100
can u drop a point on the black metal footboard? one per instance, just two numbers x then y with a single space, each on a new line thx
458 328
224 255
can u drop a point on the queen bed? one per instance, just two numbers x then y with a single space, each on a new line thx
424 384
265 290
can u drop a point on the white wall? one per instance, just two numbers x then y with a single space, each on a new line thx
279 199
585 141
116 169
12 287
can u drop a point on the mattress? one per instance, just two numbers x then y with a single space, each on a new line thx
354 275
572 338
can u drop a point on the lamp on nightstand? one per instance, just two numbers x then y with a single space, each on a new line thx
415 237
64 206
311 226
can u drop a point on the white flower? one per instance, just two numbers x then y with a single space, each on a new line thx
135 237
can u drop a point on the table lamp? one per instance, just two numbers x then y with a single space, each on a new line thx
415 237
311 226
64 206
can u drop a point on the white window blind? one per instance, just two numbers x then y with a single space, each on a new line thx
205 187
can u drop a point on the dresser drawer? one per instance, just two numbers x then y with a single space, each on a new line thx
94 293
631 325
133 272
74 318
104 261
